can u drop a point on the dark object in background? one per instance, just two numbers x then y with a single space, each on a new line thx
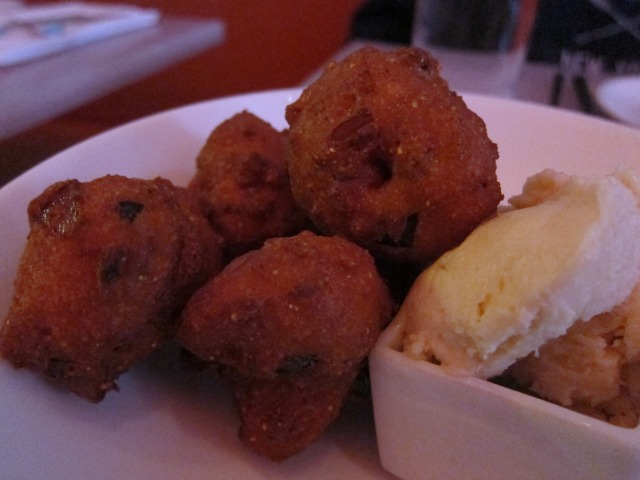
567 24
392 21
384 20
471 25
586 26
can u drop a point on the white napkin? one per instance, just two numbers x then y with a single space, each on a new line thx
29 32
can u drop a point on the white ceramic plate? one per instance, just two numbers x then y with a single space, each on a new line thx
620 98
165 424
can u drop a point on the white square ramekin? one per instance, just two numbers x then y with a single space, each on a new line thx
432 425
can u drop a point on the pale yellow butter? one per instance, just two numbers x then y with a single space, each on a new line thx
568 251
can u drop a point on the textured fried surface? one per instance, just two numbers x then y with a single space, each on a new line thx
241 173
107 266
294 321
386 155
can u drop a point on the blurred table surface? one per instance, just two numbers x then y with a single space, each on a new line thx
42 89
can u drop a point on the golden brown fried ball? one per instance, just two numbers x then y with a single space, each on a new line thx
383 153
293 322
241 173
107 267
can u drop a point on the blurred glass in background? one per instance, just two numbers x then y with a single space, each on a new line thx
481 45
595 37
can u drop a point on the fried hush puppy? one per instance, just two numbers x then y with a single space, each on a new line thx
383 153
107 266
241 174
291 325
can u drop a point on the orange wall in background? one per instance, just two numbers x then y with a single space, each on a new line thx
269 44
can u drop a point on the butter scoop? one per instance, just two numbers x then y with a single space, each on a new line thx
567 251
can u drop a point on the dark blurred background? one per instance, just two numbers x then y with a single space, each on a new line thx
586 25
